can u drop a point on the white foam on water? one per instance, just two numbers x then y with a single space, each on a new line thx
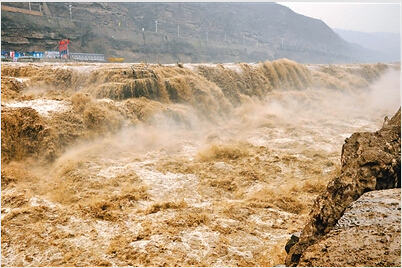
170 186
43 107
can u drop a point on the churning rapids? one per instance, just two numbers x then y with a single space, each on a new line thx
174 165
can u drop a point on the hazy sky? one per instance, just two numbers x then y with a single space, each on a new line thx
364 17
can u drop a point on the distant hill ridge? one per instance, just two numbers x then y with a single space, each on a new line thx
387 43
172 32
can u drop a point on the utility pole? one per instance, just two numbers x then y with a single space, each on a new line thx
29 4
156 26
70 6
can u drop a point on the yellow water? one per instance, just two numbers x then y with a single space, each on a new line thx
198 165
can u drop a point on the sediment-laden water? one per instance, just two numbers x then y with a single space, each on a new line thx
174 165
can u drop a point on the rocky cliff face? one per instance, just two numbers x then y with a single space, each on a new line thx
171 32
370 161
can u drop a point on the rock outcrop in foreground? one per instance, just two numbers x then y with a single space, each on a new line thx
368 234
370 161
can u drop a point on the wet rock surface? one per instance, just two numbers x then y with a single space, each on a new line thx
368 234
370 161
292 241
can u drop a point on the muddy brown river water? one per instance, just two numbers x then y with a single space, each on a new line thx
150 165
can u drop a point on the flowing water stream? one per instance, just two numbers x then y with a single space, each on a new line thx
193 165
